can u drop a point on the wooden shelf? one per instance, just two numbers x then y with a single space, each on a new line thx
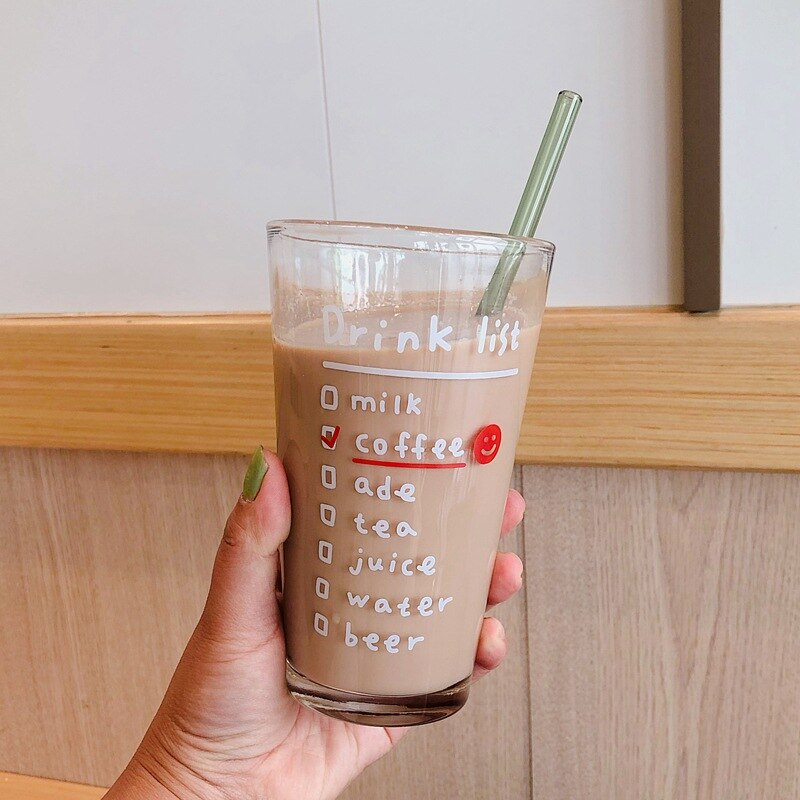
22 787
628 387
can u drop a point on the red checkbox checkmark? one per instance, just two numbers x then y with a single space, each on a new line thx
329 439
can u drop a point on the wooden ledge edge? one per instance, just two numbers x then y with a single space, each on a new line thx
24 787
652 387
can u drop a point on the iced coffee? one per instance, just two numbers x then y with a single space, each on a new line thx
398 414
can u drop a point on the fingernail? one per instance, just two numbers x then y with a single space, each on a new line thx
254 476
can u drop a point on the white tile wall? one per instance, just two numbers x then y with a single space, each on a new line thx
437 108
760 152
143 144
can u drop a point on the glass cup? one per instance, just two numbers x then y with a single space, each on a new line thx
398 415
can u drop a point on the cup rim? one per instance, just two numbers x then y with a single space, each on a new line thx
285 227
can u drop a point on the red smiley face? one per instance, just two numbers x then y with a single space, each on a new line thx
487 444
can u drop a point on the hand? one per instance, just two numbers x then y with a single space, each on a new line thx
228 727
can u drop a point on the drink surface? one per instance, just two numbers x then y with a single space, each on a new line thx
398 436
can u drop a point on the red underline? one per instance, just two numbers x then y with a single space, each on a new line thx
401 464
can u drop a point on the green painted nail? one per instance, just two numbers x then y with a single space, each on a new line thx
254 476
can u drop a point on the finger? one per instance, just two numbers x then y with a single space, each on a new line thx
512 516
491 647
242 605
506 578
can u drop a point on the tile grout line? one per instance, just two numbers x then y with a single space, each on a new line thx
325 108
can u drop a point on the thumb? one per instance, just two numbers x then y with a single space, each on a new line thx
242 606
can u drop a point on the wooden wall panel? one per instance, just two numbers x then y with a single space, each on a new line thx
481 752
663 617
106 560
655 650
104 568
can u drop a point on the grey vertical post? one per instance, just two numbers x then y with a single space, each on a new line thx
701 154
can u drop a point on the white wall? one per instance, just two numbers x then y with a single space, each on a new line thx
760 152
143 144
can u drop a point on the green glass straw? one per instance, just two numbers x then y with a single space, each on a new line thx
533 200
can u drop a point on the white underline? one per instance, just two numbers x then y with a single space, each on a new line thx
417 373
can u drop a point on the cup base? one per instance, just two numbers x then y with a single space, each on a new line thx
386 711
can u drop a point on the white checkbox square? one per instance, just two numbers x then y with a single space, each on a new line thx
328 433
